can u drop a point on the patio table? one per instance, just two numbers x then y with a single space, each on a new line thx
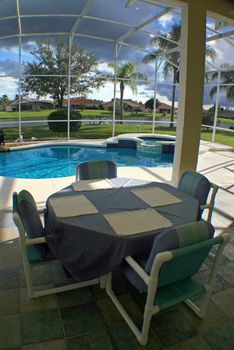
87 245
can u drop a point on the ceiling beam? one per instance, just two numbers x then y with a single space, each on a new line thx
129 3
144 24
216 32
219 36
81 16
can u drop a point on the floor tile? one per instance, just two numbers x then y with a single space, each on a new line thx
9 278
97 292
124 339
94 341
172 327
41 326
225 300
213 318
229 251
221 338
203 277
227 272
10 255
109 312
9 331
51 345
78 320
9 301
42 303
41 274
57 273
195 343
75 297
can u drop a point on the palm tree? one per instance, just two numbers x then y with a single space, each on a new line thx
127 74
227 78
165 42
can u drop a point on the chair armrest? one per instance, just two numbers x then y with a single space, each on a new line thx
32 241
138 269
205 206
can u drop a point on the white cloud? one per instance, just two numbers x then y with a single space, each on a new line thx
166 19
9 87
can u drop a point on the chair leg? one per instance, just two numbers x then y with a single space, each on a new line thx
103 282
199 311
142 336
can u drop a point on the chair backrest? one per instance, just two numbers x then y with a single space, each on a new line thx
97 169
195 184
189 245
28 222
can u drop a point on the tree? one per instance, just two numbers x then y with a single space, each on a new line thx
227 77
52 58
150 103
4 100
127 74
165 42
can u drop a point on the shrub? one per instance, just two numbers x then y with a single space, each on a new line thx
62 126
208 118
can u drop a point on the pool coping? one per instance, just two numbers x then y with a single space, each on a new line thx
205 146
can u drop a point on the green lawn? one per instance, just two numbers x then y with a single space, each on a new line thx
33 115
92 114
29 115
105 131
100 131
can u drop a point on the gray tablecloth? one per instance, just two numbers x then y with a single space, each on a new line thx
87 245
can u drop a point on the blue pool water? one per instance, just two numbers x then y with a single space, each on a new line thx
59 161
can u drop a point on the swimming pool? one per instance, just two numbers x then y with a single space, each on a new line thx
59 161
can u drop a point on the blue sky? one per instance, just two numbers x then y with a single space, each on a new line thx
109 10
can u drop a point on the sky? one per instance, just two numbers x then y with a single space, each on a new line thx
115 10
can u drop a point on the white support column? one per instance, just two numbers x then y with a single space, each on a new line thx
216 106
114 102
155 91
69 89
19 88
192 69
20 65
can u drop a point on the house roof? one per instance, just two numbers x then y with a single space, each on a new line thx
164 106
29 100
81 100
129 103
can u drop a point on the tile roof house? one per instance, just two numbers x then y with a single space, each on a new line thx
127 104
82 103
29 104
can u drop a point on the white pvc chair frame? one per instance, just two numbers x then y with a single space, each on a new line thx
24 242
210 204
152 282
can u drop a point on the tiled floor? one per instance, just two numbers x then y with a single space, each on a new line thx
87 319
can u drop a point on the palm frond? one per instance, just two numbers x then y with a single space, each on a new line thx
210 52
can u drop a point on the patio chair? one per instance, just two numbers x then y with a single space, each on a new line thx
166 275
96 169
33 244
198 186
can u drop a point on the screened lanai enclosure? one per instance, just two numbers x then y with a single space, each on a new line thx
104 58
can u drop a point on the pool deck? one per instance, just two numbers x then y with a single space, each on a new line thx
215 161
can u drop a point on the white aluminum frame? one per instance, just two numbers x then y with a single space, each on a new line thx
120 42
